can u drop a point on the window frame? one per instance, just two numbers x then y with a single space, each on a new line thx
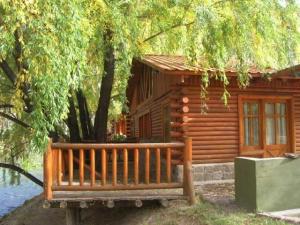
263 147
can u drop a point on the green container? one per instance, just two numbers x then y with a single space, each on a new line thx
270 184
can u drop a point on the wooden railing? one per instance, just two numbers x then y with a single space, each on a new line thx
105 167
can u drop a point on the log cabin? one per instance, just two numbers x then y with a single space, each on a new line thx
261 120
178 131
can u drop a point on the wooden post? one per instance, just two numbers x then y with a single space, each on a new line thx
136 166
81 167
125 169
103 166
92 172
73 216
70 158
188 185
48 179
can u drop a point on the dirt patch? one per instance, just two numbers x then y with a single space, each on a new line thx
32 212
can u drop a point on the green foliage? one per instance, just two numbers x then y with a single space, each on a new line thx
63 44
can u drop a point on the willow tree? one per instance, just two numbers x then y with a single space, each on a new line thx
65 64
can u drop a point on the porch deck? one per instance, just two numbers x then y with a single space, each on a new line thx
82 175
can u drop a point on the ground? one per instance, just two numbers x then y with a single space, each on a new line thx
215 206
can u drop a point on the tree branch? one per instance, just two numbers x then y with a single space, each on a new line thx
6 106
8 71
168 29
17 121
23 172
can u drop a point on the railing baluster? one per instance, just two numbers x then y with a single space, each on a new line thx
114 167
136 166
103 166
168 165
59 167
70 154
158 165
81 167
125 161
147 166
92 172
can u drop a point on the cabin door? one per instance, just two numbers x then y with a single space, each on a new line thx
265 126
276 128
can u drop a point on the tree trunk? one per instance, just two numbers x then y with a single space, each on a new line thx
101 117
85 120
72 122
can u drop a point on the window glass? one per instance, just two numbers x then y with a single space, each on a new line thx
269 109
255 125
281 123
251 124
254 108
246 131
270 131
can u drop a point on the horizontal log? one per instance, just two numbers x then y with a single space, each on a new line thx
215 142
217 156
197 147
205 161
117 187
197 118
209 152
213 124
215 138
212 133
117 146
213 129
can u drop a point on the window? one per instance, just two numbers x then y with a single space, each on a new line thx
145 126
251 123
145 85
276 126
264 124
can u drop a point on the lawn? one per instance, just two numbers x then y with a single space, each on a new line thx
204 213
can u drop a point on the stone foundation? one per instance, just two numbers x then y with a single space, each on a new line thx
209 173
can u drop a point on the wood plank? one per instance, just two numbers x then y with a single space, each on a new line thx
136 166
103 166
71 169
81 166
168 162
117 187
147 166
59 167
158 166
125 161
92 158
114 167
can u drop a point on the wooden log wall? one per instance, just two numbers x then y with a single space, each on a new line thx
216 134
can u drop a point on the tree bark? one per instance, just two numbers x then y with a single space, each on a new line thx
72 122
84 116
101 117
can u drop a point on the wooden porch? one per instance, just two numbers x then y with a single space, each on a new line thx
84 175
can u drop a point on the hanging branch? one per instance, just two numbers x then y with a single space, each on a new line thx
14 119
23 172
168 29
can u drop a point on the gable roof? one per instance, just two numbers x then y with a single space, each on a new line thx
177 65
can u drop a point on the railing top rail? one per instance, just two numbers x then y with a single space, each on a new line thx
115 145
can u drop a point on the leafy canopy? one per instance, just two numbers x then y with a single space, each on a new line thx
62 45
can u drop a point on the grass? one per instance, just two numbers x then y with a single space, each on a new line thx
204 213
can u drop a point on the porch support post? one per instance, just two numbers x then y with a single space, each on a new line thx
188 185
48 180
73 216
